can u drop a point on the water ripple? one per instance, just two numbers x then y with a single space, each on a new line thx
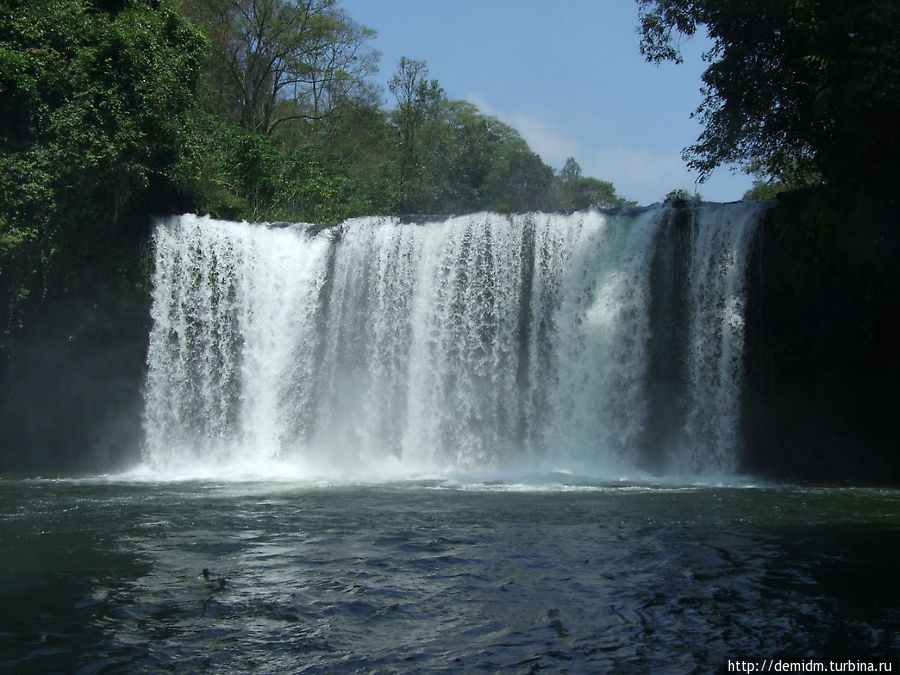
414 579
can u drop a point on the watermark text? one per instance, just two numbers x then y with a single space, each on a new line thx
807 666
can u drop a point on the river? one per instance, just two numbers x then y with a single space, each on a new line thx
553 573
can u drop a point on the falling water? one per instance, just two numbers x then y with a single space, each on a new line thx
602 343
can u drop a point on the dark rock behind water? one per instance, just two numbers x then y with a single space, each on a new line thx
822 358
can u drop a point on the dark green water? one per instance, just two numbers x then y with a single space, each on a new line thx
102 577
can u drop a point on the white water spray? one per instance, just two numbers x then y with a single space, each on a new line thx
485 342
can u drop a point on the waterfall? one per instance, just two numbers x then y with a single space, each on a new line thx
598 342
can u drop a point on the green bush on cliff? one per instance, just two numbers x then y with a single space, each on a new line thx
93 110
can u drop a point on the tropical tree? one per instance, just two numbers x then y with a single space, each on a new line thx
577 192
93 108
453 158
274 62
570 172
681 195
418 104
518 179
805 89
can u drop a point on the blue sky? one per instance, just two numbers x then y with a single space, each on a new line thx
568 75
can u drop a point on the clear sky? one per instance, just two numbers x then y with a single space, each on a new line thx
568 75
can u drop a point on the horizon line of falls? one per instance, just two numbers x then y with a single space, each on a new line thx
605 344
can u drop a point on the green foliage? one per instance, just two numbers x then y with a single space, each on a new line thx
281 63
93 110
805 89
577 192
763 190
420 107
682 195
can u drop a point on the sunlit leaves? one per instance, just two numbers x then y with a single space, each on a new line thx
93 109
805 90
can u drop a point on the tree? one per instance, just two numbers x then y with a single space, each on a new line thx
763 190
518 179
274 62
682 195
418 101
577 192
93 113
597 193
805 89
570 172
362 141
485 164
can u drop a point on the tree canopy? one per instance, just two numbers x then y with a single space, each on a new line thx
273 62
800 91
94 103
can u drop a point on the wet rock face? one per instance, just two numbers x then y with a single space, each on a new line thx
823 319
